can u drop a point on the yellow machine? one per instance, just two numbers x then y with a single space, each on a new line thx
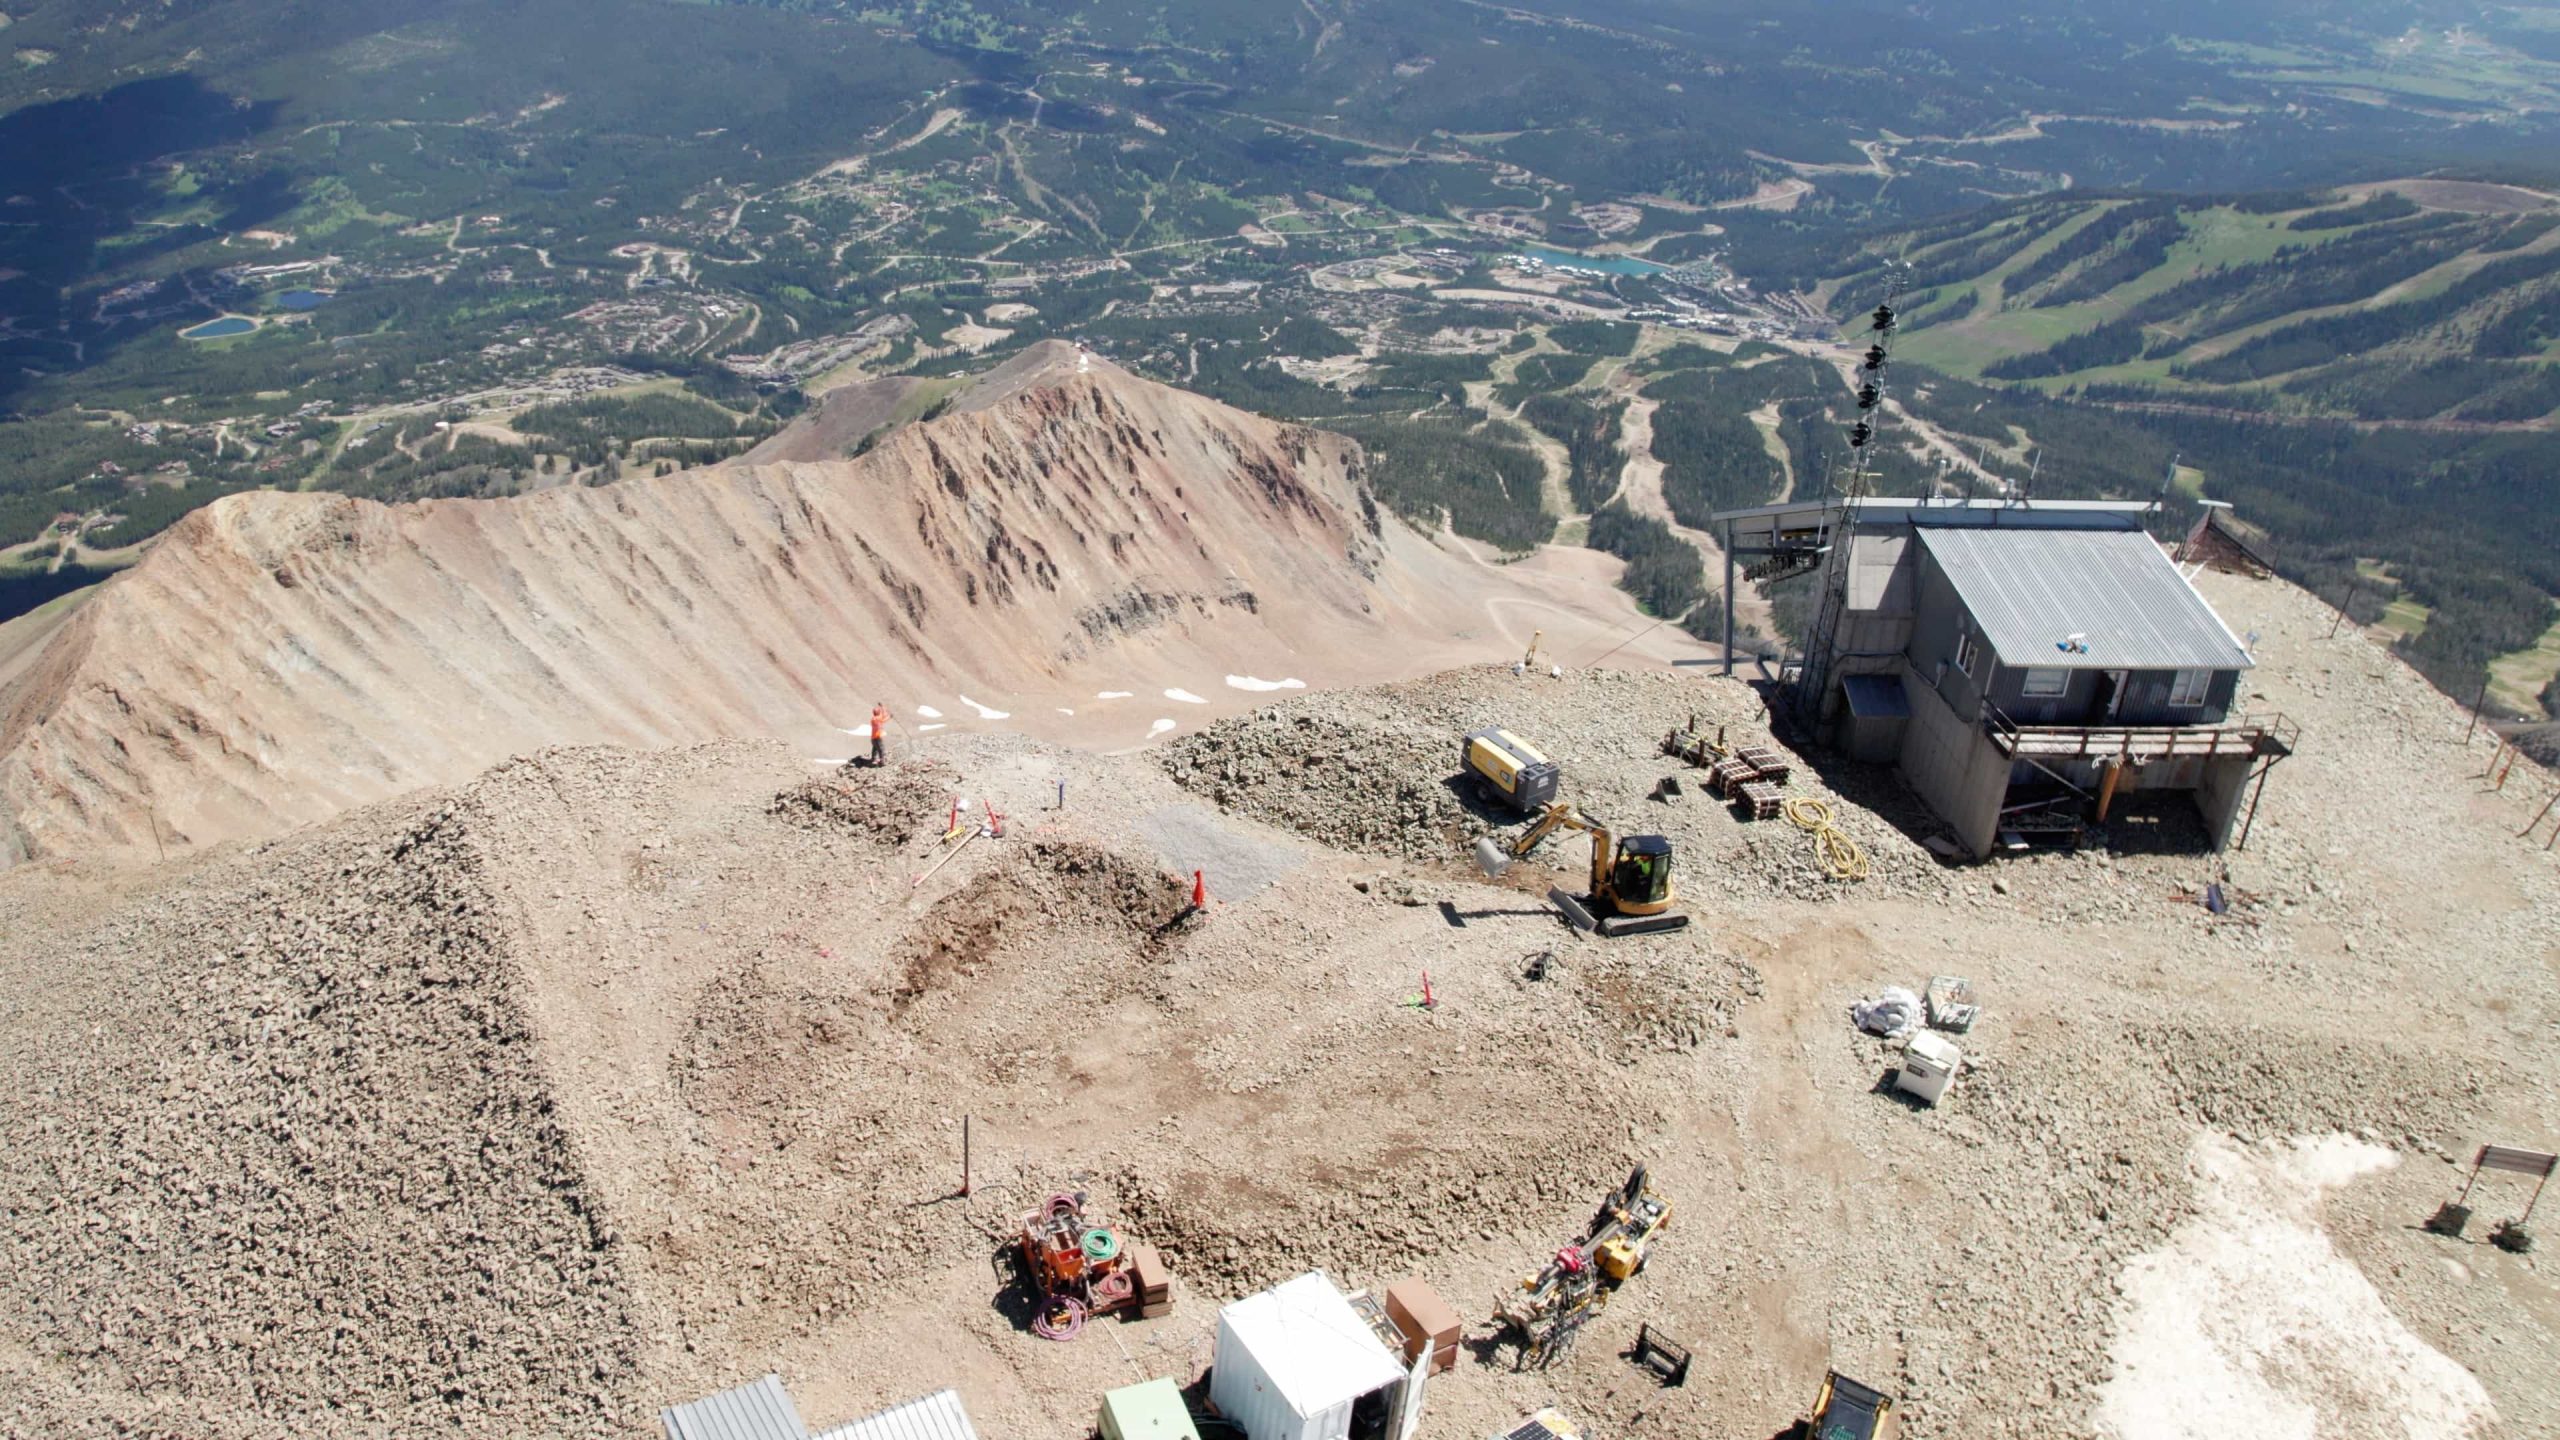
1847 1410
1631 887
1510 769
1554 1304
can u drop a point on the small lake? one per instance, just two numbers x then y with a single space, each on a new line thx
304 299
224 328
1606 264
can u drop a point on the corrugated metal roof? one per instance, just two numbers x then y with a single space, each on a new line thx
1311 1344
937 1416
2031 590
761 1410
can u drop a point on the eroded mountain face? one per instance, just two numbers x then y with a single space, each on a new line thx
280 657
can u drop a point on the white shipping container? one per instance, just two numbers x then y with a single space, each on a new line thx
1293 1360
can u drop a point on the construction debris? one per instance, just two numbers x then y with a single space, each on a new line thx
1894 1013
1082 1269
1950 1004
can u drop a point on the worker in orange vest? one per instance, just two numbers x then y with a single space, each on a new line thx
879 732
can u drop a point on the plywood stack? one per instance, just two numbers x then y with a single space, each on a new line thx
1155 1282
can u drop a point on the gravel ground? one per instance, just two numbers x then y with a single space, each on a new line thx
612 1078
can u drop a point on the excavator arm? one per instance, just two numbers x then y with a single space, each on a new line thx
1565 817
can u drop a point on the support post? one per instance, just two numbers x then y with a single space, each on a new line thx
2343 602
1728 599
2476 703
2254 795
2107 788
964 1155
2537 818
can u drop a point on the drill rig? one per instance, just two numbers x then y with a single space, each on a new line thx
1554 1304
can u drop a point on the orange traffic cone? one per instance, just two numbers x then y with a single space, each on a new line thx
1199 890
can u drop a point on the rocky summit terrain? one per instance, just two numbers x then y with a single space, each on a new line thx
610 1077
1061 529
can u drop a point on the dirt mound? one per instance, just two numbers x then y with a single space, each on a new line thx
1336 771
1377 771
891 804
1031 901
304 1161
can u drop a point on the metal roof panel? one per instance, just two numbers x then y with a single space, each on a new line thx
758 1410
937 1416
2030 591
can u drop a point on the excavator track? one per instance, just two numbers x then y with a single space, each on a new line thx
1617 925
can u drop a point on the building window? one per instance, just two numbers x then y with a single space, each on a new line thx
2189 687
2048 683
1964 650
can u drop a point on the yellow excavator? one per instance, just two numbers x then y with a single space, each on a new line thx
1631 888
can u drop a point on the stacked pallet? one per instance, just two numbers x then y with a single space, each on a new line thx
1760 799
1732 771
1155 1282
1771 765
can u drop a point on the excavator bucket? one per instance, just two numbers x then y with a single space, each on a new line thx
1574 911
1617 925
1491 858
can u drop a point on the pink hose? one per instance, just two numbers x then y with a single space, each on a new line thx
1061 1319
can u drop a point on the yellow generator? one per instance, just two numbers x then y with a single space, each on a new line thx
1510 770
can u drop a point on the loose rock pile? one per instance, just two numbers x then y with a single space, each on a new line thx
308 1165
1378 771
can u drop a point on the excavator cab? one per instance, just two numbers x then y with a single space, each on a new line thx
1640 879
1847 1410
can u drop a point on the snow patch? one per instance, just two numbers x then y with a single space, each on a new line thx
1250 682
1063 710
926 711
1113 695
820 760
985 712
923 728
2247 1321
1185 696
1159 728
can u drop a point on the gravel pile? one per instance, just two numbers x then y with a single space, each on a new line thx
306 1163
891 804
1377 771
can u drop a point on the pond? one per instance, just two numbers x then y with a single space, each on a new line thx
304 299
1607 264
224 328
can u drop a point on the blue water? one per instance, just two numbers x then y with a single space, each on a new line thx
303 299
1608 264
228 325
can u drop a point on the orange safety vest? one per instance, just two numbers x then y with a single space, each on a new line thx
879 722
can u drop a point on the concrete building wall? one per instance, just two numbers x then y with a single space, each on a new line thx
1954 767
2222 793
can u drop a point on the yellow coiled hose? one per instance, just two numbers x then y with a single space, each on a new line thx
1840 856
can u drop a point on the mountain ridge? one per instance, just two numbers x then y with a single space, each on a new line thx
279 657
